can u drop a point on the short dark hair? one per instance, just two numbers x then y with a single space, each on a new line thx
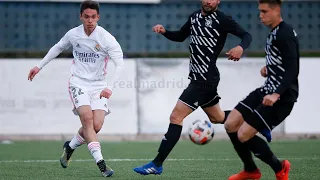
89 4
271 2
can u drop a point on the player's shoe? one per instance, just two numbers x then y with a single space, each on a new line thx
267 134
284 173
106 171
149 168
66 155
243 175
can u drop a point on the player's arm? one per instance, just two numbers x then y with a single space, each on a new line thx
288 48
54 51
116 55
231 26
178 36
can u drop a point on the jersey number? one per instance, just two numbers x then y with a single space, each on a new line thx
74 92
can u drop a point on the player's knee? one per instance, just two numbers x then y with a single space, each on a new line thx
243 136
175 119
87 121
97 127
213 120
230 127
233 122
216 120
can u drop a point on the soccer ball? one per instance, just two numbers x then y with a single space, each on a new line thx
201 132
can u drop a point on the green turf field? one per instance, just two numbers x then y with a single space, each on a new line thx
214 161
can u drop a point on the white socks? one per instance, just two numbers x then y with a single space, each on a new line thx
94 147
76 141
95 150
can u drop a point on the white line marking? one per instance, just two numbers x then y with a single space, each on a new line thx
130 160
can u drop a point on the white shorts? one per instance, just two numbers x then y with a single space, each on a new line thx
83 92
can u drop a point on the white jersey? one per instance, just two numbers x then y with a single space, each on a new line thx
91 54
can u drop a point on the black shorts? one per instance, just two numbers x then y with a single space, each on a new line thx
199 94
259 116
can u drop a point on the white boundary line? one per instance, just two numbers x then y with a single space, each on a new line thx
131 160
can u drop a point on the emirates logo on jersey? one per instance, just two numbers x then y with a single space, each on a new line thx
97 47
86 57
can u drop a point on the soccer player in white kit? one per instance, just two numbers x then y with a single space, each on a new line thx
92 47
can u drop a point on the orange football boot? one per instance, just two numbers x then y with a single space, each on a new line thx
243 175
284 173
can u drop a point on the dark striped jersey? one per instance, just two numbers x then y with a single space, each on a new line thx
282 62
207 37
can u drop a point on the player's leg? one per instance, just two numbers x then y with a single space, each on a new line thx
70 146
86 118
259 147
266 117
169 140
234 121
98 119
232 125
79 98
209 102
212 108
78 139
95 147
172 136
185 105
216 114
100 110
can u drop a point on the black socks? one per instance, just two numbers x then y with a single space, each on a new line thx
225 116
262 151
243 152
169 140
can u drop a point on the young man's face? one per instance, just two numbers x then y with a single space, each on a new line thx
268 13
89 18
209 6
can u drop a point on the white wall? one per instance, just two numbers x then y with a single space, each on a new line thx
43 106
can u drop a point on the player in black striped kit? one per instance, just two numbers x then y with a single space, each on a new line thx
207 29
267 106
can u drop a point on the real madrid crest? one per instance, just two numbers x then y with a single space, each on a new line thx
97 47
208 22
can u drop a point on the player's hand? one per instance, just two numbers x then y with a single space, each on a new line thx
235 53
33 72
106 93
159 29
270 99
263 71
